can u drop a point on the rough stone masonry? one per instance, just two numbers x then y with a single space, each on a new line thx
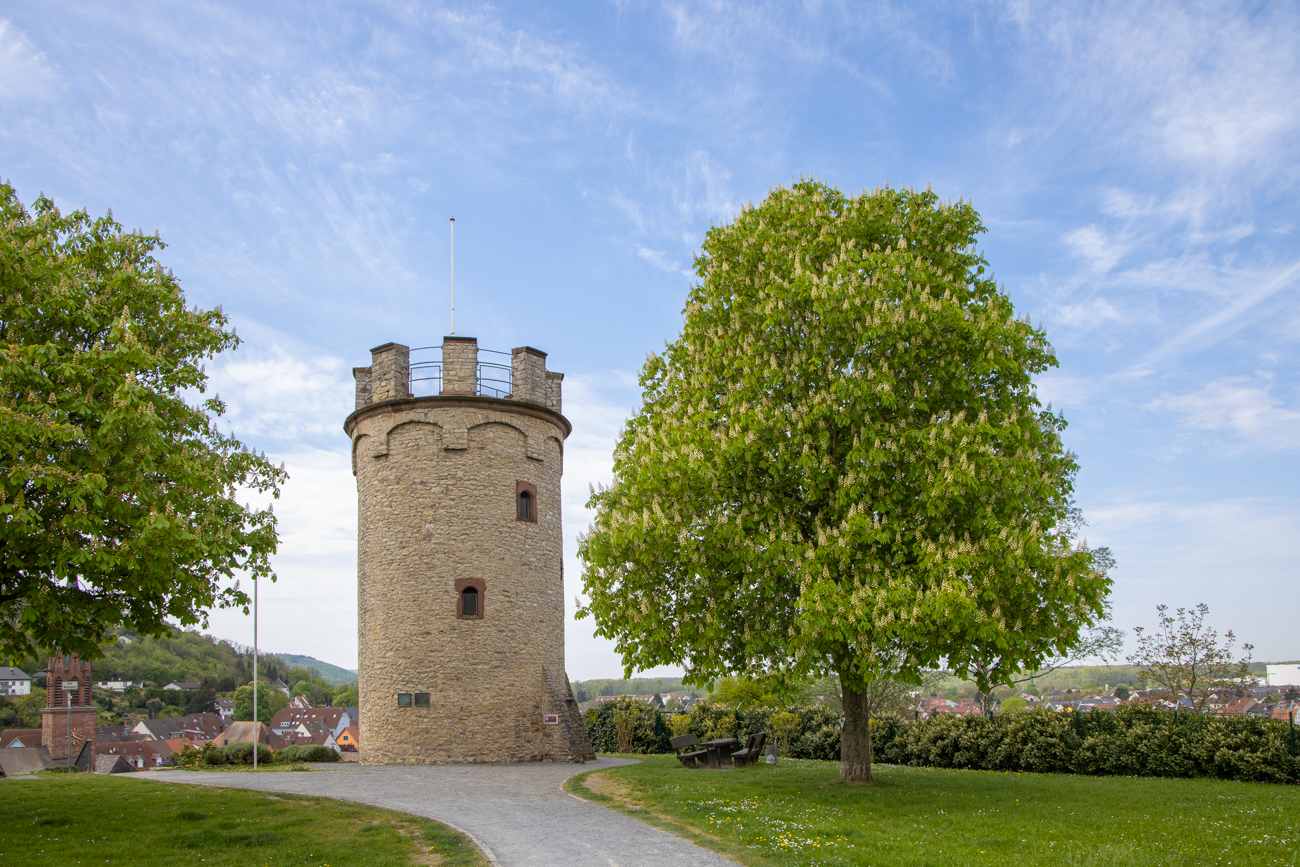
460 561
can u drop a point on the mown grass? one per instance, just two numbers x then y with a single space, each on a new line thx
800 815
87 819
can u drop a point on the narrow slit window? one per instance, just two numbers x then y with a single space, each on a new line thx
421 699
403 699
526 502
469 602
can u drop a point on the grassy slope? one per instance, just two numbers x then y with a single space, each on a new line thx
64 820
915 816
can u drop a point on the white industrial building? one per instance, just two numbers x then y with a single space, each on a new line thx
1283 675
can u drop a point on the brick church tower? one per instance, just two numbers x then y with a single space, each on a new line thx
68 678
460 583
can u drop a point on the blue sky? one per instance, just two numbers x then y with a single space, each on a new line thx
1136 165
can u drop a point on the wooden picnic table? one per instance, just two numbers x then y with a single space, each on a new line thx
719 750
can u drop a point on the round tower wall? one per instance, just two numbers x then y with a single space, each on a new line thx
438 480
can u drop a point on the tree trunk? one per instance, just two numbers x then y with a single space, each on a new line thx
855 740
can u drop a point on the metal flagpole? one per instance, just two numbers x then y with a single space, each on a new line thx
68 696
254 674
453 276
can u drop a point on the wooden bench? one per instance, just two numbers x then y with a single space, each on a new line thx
750 754
682 745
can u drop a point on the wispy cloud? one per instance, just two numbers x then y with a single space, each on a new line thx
1101 251
1224 321
1228 553
24 72
661 261
276 397
1235 406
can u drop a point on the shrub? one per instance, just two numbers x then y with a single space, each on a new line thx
709 720
642 730
1130 741
239 754
784 726
306 753
187 757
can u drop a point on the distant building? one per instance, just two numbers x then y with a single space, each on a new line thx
14 681
19 738
226 709
120 685
192 727
1283 675
184 685
244 732
312 720
68 718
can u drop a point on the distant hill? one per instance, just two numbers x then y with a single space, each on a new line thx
193 656
331 674
586 690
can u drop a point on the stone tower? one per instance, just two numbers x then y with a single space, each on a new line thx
460 583
68 718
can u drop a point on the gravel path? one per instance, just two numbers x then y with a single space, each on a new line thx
518 813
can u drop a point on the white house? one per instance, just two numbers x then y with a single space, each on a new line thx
1283 675
14 681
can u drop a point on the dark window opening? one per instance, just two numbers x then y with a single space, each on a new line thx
403 699
421 699
469 602
526 502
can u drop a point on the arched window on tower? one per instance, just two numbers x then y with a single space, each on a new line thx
526 502
470 594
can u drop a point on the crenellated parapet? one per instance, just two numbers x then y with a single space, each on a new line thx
457 368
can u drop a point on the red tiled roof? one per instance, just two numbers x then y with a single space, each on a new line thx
25 737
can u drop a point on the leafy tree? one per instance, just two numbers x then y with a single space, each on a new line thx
1185 657
1014 705
345 695
316 691
1291 694
21 711
749 692
117 493
1122 692
204 700
841 465
269 700
154 706
991 667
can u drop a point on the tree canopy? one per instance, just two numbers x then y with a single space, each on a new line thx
118 501
1184 656
841 464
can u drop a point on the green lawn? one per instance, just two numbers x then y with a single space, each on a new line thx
87 819
915 816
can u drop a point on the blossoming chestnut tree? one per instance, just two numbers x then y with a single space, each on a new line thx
841 465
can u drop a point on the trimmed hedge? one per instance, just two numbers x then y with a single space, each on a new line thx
306 753
709 720
1131 741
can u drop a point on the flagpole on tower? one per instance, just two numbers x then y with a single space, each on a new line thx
453 276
